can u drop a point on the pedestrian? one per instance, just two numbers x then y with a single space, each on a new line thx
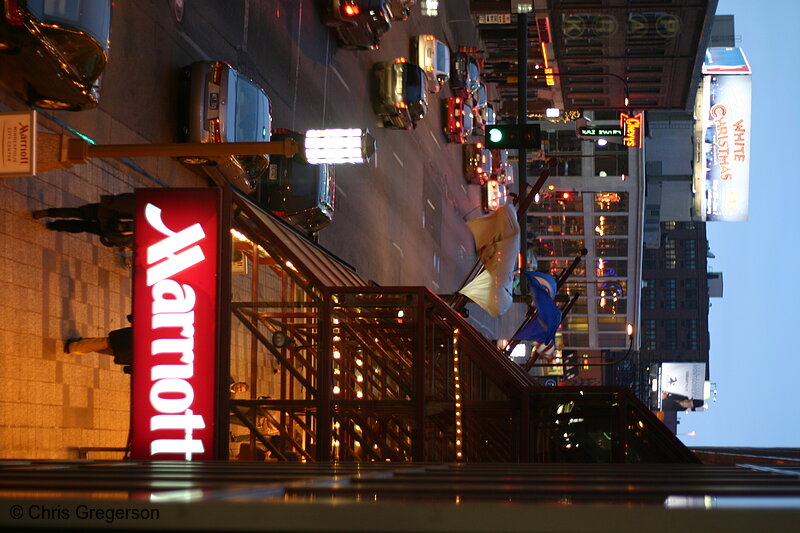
111 219
118 343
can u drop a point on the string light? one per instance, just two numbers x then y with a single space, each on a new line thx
458 441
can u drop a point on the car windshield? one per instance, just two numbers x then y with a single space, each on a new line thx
442 57
413 79
90 16
249 108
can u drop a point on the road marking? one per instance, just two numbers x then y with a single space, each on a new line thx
434 138
463 188
430 204
341 79
398 159
200 51
339 190
297 64
398 249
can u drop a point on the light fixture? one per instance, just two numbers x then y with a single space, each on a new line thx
552 112
601 142
335 146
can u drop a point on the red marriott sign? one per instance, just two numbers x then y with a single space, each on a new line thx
174 324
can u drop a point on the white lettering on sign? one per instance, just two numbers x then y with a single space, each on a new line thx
171 394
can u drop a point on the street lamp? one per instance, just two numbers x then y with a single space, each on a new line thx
548 73
333 146
339 146
629 331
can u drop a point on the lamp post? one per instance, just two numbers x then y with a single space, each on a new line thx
629 330
624 81
334 146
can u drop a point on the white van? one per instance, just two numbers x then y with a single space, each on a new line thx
434 57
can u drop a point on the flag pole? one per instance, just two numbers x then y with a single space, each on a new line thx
530 362
531 314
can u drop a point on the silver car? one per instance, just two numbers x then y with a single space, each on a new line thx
225 106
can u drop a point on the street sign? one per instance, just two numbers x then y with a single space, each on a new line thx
494 18
600 131
18 141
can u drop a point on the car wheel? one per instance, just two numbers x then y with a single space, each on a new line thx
196 160
52 103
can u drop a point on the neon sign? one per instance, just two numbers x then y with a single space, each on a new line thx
549 77
633 129
174 324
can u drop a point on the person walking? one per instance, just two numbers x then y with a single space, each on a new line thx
118 343
111 219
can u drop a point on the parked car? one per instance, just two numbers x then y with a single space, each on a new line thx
226 106
401 9
434 57
477 163
459 120
464 74
494 195
298 191
398 93
52 54
359 23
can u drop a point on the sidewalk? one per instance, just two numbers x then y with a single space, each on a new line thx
55 286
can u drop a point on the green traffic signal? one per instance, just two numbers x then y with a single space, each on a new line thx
495 135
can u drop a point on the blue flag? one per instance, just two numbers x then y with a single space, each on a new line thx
543 327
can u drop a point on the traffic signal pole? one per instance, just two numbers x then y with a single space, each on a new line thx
522 158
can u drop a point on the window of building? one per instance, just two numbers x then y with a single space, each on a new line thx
670 225
576 323
615 202
670 294
650 324
690 345
555 266
612 340
558 202
559 247
649 304
690 254
669 345
611 268
690 294
669 323
632 69
688 225
689 244
671 264
651 345
669 304
689 323
611 247
690 264
612 323
671 334
611 225
543 225
691 334
668 283
689 304
575 339
611 306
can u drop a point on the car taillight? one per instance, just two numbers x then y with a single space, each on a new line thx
458 100
429 37
400 60
458 124
279 213
350 9
400 105
430 69
215 130
479 146
216 71
13 13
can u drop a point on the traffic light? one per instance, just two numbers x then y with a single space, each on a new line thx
507 136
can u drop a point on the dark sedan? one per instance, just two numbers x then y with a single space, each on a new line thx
464 75
359 23
52 54
399 93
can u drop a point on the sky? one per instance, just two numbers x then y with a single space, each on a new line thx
754 360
